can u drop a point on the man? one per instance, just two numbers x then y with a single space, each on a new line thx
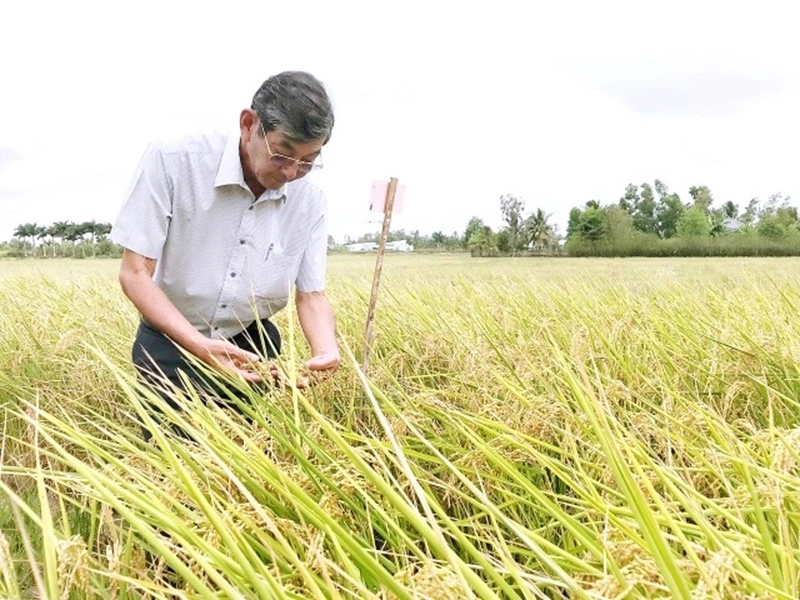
216 231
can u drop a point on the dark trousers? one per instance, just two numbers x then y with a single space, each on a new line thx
159 363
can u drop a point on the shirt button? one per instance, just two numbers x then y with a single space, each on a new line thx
223 306
251 208
241 241
233 274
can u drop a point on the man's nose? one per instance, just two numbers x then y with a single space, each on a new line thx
290 171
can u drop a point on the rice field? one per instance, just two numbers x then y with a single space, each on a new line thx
528 428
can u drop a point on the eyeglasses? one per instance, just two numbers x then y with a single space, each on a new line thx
283 161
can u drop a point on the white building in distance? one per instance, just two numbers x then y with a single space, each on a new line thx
398 246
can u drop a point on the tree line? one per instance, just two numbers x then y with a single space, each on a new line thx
650 220
647 220
62 239
522 234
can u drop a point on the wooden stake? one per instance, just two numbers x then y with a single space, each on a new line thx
376 278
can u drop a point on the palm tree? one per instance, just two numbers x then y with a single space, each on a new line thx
53 233
27 231
75 233
21 232
538 231
730 209
60 229
33 233
482 240
90 227
103 229
41 233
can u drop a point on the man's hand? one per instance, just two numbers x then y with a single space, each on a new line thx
318 368
324 361
316 319
222 355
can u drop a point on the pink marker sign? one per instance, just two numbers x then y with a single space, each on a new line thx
377 199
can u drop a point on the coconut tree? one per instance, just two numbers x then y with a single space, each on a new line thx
538 231
482 241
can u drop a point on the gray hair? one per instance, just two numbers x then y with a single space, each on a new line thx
295 104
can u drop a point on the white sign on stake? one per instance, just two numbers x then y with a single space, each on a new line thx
380 191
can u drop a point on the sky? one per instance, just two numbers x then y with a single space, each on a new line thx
557 103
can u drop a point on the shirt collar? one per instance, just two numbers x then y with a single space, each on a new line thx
230 167
230 171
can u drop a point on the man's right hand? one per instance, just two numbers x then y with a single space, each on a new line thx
225 356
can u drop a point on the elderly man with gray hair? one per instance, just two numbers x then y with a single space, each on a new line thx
218 230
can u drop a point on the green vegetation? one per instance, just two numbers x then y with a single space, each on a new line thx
61 239
648 220
548 428
652 221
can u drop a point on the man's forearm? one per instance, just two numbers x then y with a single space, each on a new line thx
136 279
317 321
157 310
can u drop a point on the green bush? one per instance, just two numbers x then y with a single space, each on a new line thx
735 244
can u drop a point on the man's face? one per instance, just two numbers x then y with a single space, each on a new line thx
273 159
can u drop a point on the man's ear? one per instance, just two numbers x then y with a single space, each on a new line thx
247 119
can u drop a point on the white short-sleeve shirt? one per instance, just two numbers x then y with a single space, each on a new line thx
224 257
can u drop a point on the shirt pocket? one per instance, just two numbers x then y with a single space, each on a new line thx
275 278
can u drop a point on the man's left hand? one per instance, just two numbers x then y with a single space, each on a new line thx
318 368
324 361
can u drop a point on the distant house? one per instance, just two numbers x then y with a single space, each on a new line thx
731 224
400 246
362 247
